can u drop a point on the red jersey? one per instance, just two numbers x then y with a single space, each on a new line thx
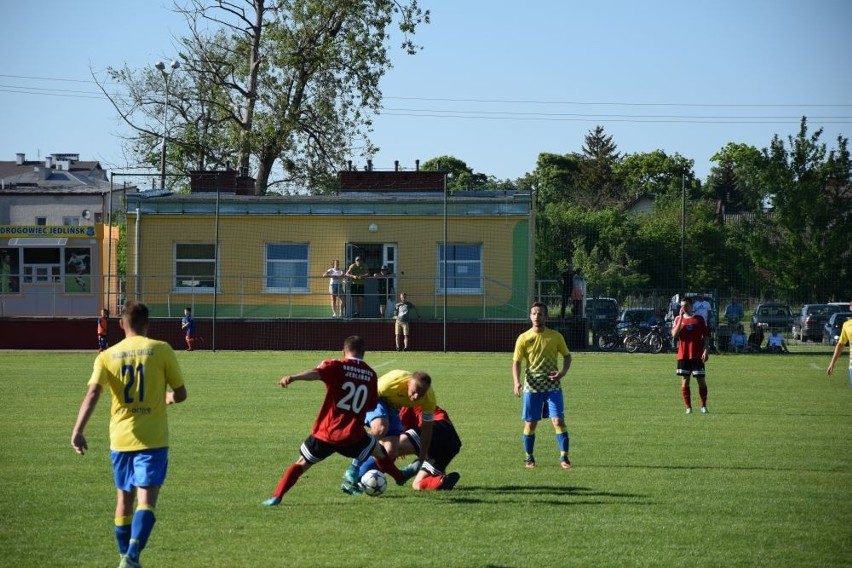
351 389
690 341
412 417
102 325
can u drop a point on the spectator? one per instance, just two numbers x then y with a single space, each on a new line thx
103 329
755 339
335 285
402 315
775 343
702 307
385 286
734 312
356 273
739 342
578 292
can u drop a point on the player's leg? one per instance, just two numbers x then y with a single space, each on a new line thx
684 370
379 422
150 467
397 331
445 445
531 413
556 411
188 342
702 389
122 469
312 451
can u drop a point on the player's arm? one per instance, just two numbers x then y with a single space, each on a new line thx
309 375
838 349
566 364
677 325
90 401
516 377
425 439
176 396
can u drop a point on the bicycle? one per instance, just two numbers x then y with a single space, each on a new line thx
653 341
608 339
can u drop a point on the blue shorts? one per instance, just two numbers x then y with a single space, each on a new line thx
538 405
334 288
141 468
383 410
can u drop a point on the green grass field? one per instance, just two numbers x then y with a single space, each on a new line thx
764 480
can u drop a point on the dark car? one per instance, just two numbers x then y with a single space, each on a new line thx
811 319
772 315
831 330
601 313
635 317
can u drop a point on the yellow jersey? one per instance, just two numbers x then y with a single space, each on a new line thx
541 353
393 389
137 371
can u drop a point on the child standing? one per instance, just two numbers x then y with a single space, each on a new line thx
103 329
187 325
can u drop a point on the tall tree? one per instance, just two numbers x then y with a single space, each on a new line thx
656 173
734 181
460 176
804 242
597 182
291 83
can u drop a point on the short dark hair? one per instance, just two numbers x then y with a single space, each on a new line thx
135 315
540 305
422 377
355 344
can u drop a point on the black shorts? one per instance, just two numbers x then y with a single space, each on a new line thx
356 290
687 367
445 445
315 450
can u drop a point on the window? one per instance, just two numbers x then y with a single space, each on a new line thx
195 267
42 265
287 267
41 221
464 269
71 221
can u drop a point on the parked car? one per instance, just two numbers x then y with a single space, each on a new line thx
602 313
831 330
772 315
634 317
811 319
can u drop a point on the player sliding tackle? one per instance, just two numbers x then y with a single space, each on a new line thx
350 390
406 390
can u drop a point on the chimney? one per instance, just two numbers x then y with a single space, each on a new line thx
369 165
19 158
396 165
416 165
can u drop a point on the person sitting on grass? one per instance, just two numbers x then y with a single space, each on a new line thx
775 343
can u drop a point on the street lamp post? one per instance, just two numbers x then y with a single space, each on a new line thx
166 77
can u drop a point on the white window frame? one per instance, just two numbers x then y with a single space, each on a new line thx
299 268
456 269
179 281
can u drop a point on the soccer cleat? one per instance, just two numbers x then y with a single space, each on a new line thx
565 462
529 462
272 502
689 411
350 476
408 472
127 562
704 410
450 481
351 488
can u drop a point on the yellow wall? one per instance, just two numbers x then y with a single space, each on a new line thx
243 240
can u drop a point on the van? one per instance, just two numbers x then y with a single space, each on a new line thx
601 312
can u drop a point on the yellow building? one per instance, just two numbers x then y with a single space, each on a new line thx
245 256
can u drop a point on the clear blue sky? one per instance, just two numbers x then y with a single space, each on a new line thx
497 83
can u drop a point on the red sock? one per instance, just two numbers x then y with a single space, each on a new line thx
387 466
702 394
189 343
687 396
431 483
288 480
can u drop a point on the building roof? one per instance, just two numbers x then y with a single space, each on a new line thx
57 173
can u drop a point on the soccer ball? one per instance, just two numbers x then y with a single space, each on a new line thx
374 483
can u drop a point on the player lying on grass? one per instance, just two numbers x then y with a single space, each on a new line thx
351 389
446 445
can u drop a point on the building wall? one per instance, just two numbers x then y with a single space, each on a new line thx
23 209
243 240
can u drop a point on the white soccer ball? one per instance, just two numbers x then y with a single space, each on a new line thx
374 483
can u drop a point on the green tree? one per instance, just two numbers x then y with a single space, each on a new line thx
597 183
804 241
266 83
460 176
657 173
734 181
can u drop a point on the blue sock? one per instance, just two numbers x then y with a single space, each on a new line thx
529 443
122 533
369 464
143 524
562 441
